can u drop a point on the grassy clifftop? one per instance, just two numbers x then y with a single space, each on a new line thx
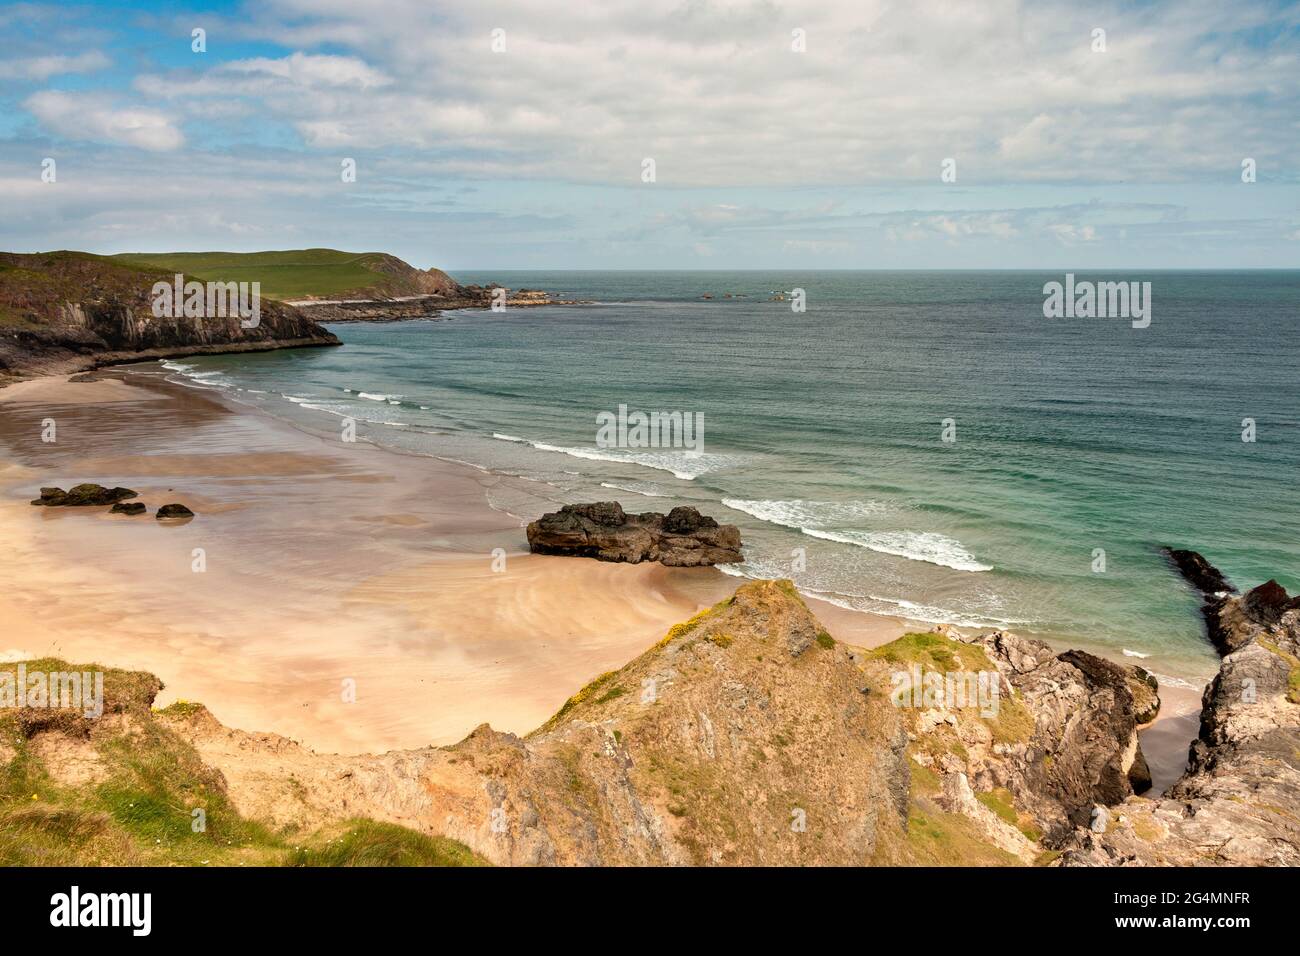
303 273
67 311
32 287
126 789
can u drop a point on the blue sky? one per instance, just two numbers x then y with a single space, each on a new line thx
1069 153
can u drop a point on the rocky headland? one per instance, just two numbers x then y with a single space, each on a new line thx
682 538
64 312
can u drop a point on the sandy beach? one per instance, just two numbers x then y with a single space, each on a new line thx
326 566
348 597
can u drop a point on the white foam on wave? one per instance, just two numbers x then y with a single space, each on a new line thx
928 546
377 396
926 613
877 604
1168 681
1128 653
636 488
801 514
213 378
686 465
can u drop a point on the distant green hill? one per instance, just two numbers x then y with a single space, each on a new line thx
304 273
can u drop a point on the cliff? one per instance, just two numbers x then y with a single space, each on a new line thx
68 311
747 735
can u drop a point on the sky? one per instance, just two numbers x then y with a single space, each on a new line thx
836 134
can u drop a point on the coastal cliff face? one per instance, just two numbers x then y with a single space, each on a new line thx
748 735
65 311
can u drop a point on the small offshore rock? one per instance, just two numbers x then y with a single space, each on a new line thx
127 508
602 530
82 495
174 511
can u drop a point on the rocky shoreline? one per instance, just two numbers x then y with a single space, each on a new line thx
1236 804
430 306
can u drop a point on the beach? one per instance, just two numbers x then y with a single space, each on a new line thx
352 598
330 570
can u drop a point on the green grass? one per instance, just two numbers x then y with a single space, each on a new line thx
322 273
587 693
1293 675
938 838
362 842
1002 803
933 652
139 807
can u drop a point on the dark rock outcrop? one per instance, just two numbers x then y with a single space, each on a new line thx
82 496
1236 804
127 508
174 511
1199 573
1231 621
602 530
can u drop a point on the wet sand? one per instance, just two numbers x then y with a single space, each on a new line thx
346 596
1165 741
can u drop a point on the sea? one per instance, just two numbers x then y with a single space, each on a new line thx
927 445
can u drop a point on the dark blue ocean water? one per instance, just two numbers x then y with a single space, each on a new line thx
823 430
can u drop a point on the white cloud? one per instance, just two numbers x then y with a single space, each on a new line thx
41 68
828 157
714 93
313 71
88 116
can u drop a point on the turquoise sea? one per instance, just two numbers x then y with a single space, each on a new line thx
823 430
